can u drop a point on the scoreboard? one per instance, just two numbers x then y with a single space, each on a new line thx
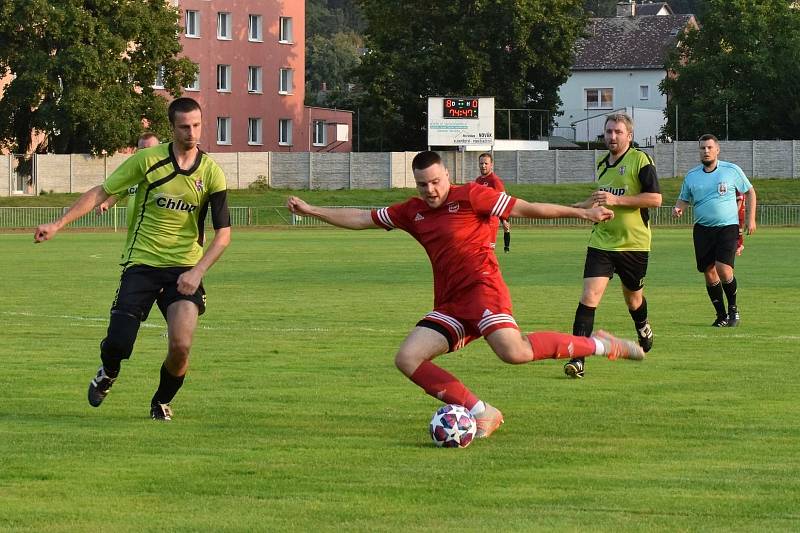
460 121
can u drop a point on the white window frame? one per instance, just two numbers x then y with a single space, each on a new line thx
255 28
285 132
192 19
195 85
254 79
158 83
644 92
224 26
597 101
286 81
320 133
254 137
285 29
224 130
224 78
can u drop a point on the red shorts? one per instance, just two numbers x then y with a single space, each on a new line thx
476 313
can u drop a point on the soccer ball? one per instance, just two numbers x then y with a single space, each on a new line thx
453 426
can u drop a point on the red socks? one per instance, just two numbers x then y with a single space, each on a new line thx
444 386
555 345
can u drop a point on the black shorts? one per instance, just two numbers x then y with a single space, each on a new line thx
715 243
141 285
630 266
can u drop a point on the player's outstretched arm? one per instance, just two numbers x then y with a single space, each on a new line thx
680 207
83 205
584 204
643 200
348 218
107 204
537 210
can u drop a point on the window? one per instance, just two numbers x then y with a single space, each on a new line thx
253 131
644 92
319 133
224 26
223 130
285 131
599 98
192 23
195 85
285 30
254 79
159 81
286 81
255 33
224 78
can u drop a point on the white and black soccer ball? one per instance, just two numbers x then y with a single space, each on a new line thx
453 426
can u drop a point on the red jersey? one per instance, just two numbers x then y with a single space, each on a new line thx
492 180
457 236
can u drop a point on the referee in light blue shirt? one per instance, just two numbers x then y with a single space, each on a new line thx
711 188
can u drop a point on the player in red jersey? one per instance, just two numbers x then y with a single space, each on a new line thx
490 179
742 204
454 225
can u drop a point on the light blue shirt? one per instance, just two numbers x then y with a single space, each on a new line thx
713 194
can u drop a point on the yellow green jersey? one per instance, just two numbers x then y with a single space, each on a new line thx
168 210
629 230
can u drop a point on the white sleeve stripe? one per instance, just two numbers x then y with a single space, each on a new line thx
383 216
501 204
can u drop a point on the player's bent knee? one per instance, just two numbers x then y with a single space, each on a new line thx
121 336
407 363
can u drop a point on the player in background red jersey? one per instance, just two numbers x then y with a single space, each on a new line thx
490 179
454 225
742 205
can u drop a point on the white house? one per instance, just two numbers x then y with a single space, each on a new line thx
618 67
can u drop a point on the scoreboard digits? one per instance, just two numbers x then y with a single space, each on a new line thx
460 108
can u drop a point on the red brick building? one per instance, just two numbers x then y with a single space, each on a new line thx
251 84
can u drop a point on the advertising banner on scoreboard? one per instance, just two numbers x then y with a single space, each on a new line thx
460 121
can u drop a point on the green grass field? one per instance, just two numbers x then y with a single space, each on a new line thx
293 417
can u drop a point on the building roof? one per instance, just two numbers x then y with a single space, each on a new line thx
653 9
623 43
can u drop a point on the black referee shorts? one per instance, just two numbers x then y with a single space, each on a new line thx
630 266
714 243
142 285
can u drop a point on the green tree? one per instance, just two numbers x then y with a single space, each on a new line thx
330 65
83 72
334 45
518 52
746 58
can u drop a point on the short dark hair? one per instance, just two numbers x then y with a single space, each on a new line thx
425 159
708 137
148 135
182 105
486 154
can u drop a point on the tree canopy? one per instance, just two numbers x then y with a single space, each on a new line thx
746 58
83 72
519 52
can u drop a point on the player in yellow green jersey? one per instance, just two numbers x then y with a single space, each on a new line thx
177 185
627 184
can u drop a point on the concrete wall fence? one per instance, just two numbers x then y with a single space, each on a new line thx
366 170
